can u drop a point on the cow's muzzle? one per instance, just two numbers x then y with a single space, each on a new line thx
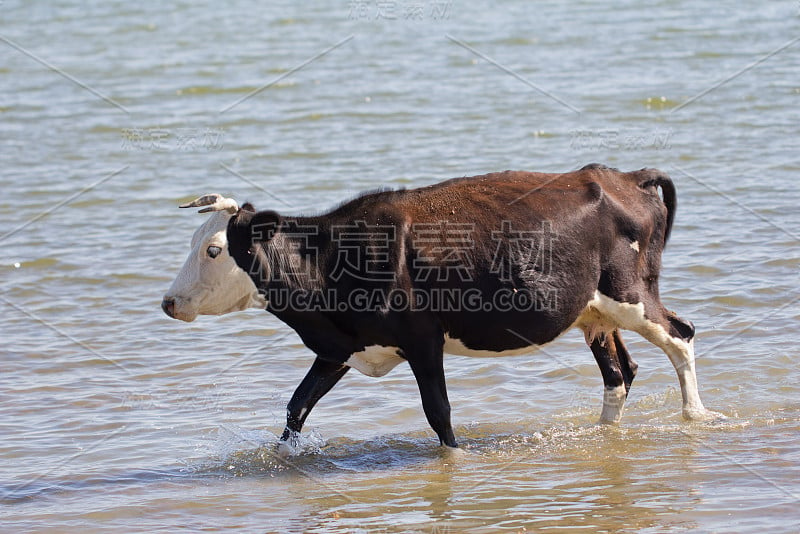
168 305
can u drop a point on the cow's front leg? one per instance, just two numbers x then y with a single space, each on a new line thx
428 369
319 380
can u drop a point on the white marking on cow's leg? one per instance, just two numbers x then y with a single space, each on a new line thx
680 352
613 404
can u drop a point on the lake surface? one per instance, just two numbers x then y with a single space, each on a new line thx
115 417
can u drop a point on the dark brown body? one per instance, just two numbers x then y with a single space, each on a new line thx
550 243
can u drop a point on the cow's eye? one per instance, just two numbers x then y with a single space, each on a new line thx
213 251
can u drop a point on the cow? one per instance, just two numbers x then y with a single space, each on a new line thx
490 265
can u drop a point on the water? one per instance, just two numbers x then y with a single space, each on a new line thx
115 417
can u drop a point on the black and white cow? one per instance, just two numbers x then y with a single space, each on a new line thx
484 266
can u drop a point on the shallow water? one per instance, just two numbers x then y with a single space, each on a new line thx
116 417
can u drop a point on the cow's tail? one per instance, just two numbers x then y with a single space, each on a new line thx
656 178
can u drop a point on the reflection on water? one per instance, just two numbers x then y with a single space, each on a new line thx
572 474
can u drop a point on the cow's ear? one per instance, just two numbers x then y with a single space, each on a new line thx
264 225
248 207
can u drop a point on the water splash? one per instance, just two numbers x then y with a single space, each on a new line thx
242 452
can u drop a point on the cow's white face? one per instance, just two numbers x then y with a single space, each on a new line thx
210 282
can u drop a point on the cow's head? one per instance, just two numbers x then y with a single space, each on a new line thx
210 282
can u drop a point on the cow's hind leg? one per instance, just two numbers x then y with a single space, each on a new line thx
673 335
618 370
676 338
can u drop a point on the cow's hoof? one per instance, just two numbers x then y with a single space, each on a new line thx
702 415
608 422
284 449
452 455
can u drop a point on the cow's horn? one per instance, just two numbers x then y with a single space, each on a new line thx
215 202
